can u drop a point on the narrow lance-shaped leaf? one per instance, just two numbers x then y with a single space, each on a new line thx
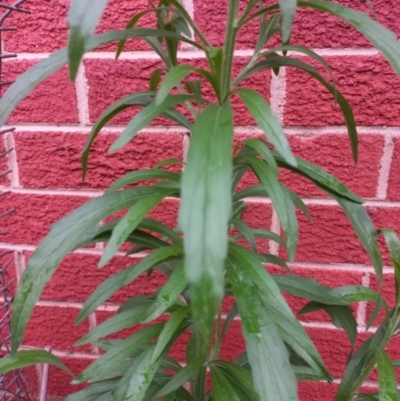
128 223
222 389
268 122
205 211
288 11
83 18
272 374
22 359
387 378
64 237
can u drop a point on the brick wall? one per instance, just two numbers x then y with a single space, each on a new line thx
52 126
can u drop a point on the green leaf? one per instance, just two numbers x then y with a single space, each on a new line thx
268 122
155 79
229 319
145 116
382 38
168 293
168 162
387 378
205 211
282 204
288 326
354 293
169 330
172 79
65 236
120 321
239 375
156 226
245 232
222 389
320 177
288 11
142 175
307 288
366 233
105 367
129 223
21 359
263 150
261 233
184 375
83 17
114 283
341 316
264 345
298 202
94 391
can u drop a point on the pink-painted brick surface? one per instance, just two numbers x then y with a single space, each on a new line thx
83 269
54 326
368 83
394 178
36 214
3 163
333 154
52 102
54 160
316 391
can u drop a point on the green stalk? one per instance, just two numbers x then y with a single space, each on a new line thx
199 393
229 48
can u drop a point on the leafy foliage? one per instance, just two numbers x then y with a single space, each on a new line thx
213 253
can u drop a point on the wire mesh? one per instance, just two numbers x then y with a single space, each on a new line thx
13 385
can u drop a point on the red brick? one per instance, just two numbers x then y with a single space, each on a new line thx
54 326
60 382
369 84
329 237
34 215
311 28
7 258
333 346
117 15
325 277
388 293
333 154
83 269
3 164
54 160
53 101
44 30
110 80
233 343
316 391
394 179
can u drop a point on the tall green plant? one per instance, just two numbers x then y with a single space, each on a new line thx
204 257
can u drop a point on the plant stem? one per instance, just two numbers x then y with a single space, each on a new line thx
199 393
217 344
229 48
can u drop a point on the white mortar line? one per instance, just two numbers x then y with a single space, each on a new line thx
275 228
343 267
92 324
51 192
318 325
12 159
108 308
362 306
278 93
19 263
185 146
384 171
82 96
60 304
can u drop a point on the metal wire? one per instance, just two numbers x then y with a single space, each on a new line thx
13 385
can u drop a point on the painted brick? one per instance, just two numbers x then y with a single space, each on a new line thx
388 293
368 83
329 237
53 160
54 326
333 154
333 346
44 30
60 382
316 391
311 28
117 15
3 163
83 269
323 276
7 258
109 80
393 192
233 343
53 101
36 214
